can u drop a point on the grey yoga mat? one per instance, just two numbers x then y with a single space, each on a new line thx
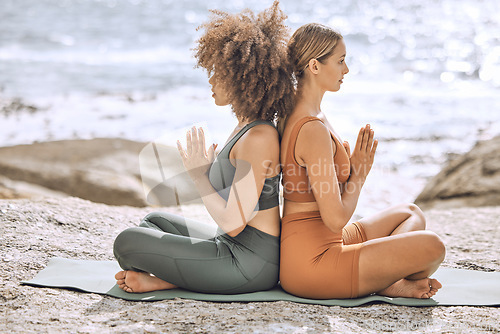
460 287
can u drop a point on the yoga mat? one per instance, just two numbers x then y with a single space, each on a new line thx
460 287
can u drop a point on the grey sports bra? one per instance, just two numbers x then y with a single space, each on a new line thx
221 173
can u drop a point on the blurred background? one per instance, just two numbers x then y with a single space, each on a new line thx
424 73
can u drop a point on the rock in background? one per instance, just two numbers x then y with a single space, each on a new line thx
103 170
471 180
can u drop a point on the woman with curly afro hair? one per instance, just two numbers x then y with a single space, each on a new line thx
246 59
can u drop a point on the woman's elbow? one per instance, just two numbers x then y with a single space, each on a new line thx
335 225
235 232
232 224
231 227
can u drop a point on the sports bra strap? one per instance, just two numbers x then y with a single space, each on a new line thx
229 146
301 192
290 151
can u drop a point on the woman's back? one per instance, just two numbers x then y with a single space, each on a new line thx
256 145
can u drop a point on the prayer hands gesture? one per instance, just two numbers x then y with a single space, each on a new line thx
195 158
364 152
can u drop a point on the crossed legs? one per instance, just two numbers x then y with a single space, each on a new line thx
166 226
400 255
396 260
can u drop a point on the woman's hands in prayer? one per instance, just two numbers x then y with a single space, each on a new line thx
195 158
364 152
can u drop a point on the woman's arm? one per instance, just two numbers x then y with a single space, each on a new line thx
253 154
316 151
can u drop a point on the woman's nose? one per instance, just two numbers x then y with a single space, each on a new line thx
212 80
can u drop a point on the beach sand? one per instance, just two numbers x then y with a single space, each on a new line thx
33 231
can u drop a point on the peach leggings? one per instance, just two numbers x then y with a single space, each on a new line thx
317 263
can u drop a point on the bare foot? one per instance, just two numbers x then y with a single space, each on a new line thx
422 288
135 281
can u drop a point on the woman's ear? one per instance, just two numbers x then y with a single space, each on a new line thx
313 66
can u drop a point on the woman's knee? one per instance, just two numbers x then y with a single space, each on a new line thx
152 217
416 213
433 246
124 242
156 220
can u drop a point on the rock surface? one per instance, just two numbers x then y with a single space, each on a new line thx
14 106
104 170
470 180
33 231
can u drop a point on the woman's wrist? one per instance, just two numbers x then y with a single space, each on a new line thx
357 179
199 179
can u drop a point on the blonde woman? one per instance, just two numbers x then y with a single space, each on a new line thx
322 256
246 56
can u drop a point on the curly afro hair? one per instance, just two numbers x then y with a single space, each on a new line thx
248 54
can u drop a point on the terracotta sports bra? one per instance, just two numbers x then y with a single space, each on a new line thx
296 186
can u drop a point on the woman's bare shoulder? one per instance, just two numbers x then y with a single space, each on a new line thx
261 134
261 140
314 140
314 130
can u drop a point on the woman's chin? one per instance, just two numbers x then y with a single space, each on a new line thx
221 104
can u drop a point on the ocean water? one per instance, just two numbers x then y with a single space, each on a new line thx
425 74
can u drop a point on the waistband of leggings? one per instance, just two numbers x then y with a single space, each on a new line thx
300 216
265 245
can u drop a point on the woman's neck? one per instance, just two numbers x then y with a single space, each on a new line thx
242 123
309 95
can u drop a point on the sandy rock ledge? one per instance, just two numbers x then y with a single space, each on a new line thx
112 171
472 179
33 231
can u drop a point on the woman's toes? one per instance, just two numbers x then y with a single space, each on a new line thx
125 288
435 284
120 275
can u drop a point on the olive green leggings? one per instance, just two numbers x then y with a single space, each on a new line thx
198 256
